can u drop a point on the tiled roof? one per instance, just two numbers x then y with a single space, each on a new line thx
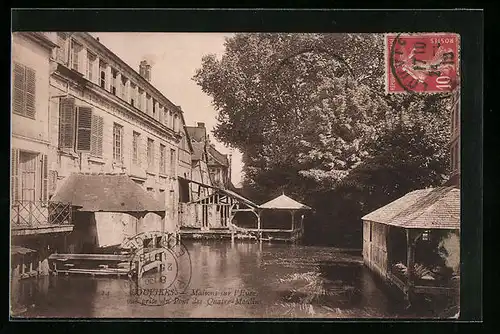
196 133
107 193
284 202
215 157
432 208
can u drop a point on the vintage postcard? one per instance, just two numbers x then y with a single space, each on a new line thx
235 175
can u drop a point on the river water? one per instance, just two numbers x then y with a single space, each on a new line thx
243 279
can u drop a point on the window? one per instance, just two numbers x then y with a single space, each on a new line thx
161 196
102 71
114 75
29 176
96 136
176 123
426 236
154 108
139 99
148 102
79 128
136 139
123 86
117 143
90 66
172 162
162 159
151 154
76 49
23 91
161 114
62 50
133 94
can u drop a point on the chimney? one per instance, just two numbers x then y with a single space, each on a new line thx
200 125
145 70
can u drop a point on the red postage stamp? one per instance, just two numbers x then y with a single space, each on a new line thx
422 62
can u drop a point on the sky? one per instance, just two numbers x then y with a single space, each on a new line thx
174 58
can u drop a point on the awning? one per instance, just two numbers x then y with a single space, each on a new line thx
284 202
18 250
432 208
106 193
239 197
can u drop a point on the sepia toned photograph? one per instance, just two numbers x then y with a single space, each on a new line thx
235 175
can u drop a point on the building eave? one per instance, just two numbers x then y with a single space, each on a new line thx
41 39
137 77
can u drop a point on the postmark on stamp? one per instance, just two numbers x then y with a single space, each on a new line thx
159 268
422 62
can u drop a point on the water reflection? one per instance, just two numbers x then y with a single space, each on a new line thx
240 279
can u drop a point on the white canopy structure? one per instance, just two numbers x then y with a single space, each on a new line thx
283 202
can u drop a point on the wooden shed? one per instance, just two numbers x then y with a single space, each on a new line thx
414 241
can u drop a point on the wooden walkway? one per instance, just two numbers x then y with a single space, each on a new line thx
107 264
239 233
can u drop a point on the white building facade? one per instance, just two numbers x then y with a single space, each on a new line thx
105 117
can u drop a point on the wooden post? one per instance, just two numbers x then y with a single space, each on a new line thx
259 226
409 265
293 219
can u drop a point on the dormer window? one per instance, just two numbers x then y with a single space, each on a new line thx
76 49
114 74
102 71
133 94
123 90
62 50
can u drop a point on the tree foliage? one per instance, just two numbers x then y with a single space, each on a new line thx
310 114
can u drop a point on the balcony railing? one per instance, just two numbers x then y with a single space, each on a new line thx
32 214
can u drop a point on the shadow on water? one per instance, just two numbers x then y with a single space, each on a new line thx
287 280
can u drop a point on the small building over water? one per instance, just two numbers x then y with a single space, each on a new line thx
414 241
108 208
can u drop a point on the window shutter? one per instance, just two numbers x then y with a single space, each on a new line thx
96 136
100 123
45 178
30 92
18 96
93 136
66 122
84 129
15 175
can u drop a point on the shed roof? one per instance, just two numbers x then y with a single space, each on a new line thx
283 202
432 208
107 193
18 250
239 197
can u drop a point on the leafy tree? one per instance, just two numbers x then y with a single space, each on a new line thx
310 114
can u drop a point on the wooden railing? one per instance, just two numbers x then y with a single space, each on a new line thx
38 213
